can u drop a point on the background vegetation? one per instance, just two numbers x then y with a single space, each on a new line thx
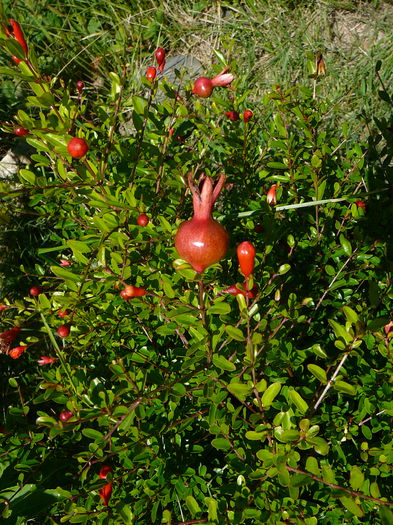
208 408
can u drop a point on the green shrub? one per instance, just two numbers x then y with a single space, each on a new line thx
207 407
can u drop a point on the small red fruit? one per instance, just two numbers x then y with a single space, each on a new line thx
80 85
65 415
143 219
132 291
63 313
247 115
246 256
160 57
151 73
232 115
16 59
63 330
105 471
3 307
21 132
77 148
35 290
203 87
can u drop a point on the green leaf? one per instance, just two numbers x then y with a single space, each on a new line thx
270 394
91 433
234 333
222 363
239 390
352 506
221 444
219 308
356 478
313 466
192 505
277 165
255 436
296 399
350 314
386 515
346 245
318 372
340 331
28 175
212 509
59 271
286 435
345 388
284 268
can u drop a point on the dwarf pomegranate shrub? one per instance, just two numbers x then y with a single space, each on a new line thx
199 399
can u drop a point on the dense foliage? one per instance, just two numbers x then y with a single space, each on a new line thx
201 406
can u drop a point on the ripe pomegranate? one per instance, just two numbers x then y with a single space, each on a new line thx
201 241
132 291
77 148
35 290
143 219
65 415
203 86
151 73
246 256
21 132
80 85
63 330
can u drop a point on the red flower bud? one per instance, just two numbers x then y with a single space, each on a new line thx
45 360
246 256
16 352
151 73
271 197
18 34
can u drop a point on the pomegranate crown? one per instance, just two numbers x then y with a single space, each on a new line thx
205 194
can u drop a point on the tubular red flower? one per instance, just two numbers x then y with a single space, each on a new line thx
45 360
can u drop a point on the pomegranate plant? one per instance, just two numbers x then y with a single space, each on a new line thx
186 396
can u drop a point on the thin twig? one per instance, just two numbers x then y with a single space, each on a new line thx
331 380
353 493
